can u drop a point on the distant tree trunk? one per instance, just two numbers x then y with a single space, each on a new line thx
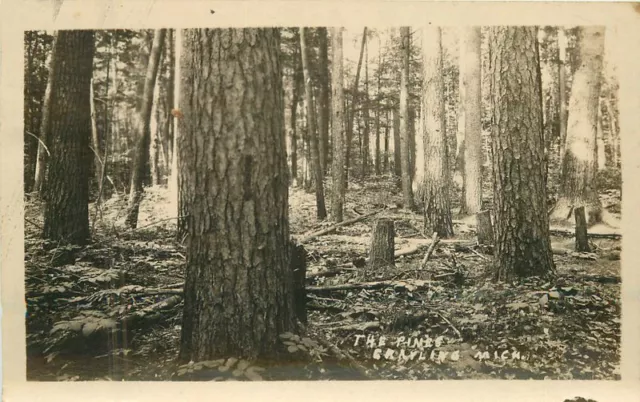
460 134
407 191
352 112
95 141
238 293
397 144
377 152
45 125
337 126
365 112
473 156
522 245
579 163
66 214
324 98
411 132
177 198
167 139
141 159
385 159
321 211
295 99
437 208
31 108
562 88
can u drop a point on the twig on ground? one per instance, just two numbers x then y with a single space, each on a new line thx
330 229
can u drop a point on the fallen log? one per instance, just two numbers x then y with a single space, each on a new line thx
329 272
330 229
593 235
358 326
409 285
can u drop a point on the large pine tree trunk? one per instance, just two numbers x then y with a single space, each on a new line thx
437 208
239 286
323 114
66 214
407 191
473 155
45 125
522 244
140 165
580 159
321 212
337 126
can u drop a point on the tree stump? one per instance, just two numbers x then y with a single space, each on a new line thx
484 228
382 244
298 264
582 240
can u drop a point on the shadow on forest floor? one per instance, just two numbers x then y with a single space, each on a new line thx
449 321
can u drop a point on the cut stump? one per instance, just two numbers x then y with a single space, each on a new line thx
582 239
382 244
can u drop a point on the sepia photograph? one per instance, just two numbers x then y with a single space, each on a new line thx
322 203
366 202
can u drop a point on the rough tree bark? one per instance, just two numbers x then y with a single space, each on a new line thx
580 159
140 164
407 191
66 214
239 287
522 245
472 202
435 196
337 126
321 212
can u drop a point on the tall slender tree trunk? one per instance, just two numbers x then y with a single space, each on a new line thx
562 90
321 211
141 158
397 144
352 112
238 293
580 160
66 214
41 161
366 117
379 74
167 135
385 159
437 208
95 140
337 126
522 244
473 155
323 105
407 191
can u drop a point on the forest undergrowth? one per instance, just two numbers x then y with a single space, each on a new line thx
112 310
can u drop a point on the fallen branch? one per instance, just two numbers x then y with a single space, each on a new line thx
329 272
359 326
330 229
434 242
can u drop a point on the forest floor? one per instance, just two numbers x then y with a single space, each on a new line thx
448 320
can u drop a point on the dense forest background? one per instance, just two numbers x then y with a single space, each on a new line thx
462 184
